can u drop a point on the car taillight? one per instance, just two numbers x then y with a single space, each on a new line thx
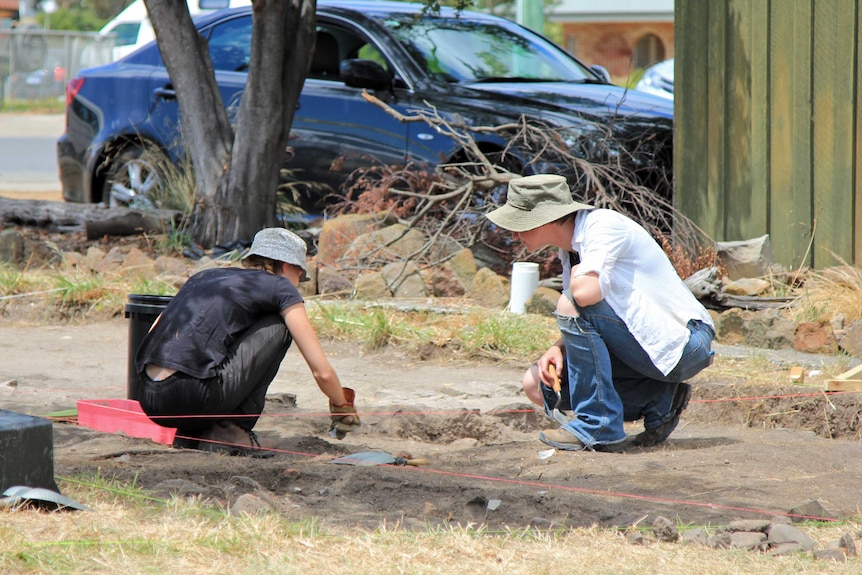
72 88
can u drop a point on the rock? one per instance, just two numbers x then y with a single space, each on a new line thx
784 548
830 555
848 544
851 341
370 286
747 539
489 289
810 510
464 265
111 262
635 538
250 505
697 535
541 523
782 533
664 530
337 234
171 266
815 337
94 257
330 282
747 258
138 264
444 282
11 246
747 286
309 288
404 280
749 525
768 329
73 261
729 328
392 243
720 541
543 301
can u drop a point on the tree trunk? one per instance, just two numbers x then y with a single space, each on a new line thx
282 37
236 177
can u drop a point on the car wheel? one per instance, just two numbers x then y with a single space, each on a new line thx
130 180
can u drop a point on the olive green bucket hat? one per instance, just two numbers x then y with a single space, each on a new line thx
534 201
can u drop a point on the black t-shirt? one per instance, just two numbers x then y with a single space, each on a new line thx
199 325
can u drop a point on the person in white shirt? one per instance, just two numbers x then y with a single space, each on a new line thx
631 331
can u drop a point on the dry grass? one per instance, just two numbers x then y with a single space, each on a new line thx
125 532
832 292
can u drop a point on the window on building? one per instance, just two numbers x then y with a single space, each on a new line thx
648 50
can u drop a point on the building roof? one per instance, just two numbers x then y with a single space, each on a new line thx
612 11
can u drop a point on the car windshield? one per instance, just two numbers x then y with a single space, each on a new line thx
464 50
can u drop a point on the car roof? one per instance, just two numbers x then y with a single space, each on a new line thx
372 8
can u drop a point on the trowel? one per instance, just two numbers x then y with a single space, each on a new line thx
365 458
556 413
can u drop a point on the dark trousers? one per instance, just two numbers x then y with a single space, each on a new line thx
237 393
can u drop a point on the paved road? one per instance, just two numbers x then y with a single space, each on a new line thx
28 154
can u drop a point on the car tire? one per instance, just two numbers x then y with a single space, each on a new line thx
130 178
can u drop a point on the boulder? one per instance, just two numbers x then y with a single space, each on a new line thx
489 289
389 244
338 233
370 286
444 282
815 337
404 280
747 258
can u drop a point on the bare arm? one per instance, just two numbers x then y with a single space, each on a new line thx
585 288
309 346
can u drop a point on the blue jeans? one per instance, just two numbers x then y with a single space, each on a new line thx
612 379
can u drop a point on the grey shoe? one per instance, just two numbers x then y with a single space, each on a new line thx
650 437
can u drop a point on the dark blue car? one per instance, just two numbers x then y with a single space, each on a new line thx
473 68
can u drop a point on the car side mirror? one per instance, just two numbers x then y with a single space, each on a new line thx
366 74
602 73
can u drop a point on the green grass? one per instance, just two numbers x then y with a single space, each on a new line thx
127 530
43 106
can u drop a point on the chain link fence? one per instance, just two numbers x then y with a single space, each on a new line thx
36 64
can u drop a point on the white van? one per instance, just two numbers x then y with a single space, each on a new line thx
132 26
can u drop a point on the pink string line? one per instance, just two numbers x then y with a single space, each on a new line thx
584 490
467 411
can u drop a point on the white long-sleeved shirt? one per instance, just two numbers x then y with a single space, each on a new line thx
638 281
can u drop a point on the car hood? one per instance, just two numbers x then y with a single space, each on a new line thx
596 101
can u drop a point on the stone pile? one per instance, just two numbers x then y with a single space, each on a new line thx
372 257
776 536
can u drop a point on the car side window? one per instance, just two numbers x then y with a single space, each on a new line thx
334 44
230 45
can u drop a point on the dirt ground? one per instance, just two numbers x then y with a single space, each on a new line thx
738 452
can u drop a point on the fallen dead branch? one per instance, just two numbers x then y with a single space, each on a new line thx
608 170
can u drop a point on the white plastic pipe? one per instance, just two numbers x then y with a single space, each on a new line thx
525 280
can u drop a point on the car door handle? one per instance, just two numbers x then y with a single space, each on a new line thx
165 93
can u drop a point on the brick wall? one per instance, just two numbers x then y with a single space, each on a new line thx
621 47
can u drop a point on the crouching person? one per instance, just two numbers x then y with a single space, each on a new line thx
631 331
209 358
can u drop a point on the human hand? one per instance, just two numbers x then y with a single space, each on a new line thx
343 417
550 366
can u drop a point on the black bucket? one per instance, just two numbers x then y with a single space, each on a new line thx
141 311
